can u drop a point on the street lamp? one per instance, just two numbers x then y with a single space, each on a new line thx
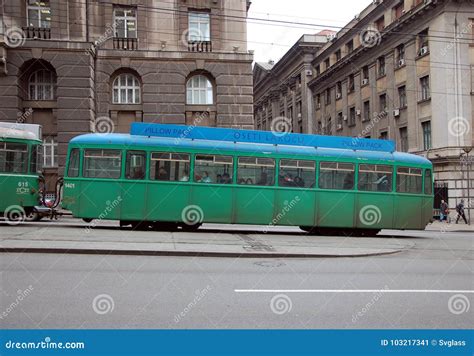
468 150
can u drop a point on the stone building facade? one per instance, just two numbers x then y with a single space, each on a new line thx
281 90
97 65
404 70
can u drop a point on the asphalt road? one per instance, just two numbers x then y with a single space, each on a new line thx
94 291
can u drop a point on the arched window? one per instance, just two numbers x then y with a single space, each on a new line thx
126 89
199 91
41 85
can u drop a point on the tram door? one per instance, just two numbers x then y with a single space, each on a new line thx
134 188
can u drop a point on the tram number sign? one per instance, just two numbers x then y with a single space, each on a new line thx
70 185
23 188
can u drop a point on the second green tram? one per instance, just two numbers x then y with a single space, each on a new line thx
20 166
182 181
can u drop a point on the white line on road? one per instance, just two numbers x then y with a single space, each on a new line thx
352 291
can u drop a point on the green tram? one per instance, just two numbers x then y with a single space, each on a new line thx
170 175
20 164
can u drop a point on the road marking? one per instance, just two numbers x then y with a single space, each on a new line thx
352 291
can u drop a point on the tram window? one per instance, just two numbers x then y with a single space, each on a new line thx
409 180
428 182
336 175
73 168
171 167
102 164
13 157
375 178
213 169
36 163
136 165
297 173
256 171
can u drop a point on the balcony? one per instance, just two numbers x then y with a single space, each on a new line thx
126 43
200 46
42 33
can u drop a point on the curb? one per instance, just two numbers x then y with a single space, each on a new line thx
183 253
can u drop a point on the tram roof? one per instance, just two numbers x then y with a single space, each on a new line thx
17 134
295 151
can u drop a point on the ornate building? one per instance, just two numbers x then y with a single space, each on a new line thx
91 65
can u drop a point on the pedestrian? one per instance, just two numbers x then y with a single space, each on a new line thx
443 211
460 211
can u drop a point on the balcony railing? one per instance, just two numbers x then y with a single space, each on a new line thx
125 43
200 46
41 33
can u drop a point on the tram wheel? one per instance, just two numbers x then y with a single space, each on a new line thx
164 226
310 229
87 220
190 228
368 232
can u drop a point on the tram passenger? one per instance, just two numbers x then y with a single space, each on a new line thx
299 182
163 174
219 179
226 179
263 179
185 177
205 177
249 181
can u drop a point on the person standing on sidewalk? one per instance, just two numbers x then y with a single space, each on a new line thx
443 211
460 211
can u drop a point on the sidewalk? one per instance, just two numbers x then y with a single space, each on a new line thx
452 227
211 241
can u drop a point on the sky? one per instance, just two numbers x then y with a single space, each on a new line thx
271 41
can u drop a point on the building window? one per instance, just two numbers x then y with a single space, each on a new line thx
383 103
402 96
381 66
423 43
199 91
380 24
398 11
199 27
351 84
384 135
39 14
338 90
403 139
329 126
425 88
350 46
125 22
41 85
338 55
365 75
426 126
318 69
328 96
327 64
400 56
366 110
50 152
352 116
126 89
339 120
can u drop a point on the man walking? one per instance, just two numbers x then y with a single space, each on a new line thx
443 212
460 211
